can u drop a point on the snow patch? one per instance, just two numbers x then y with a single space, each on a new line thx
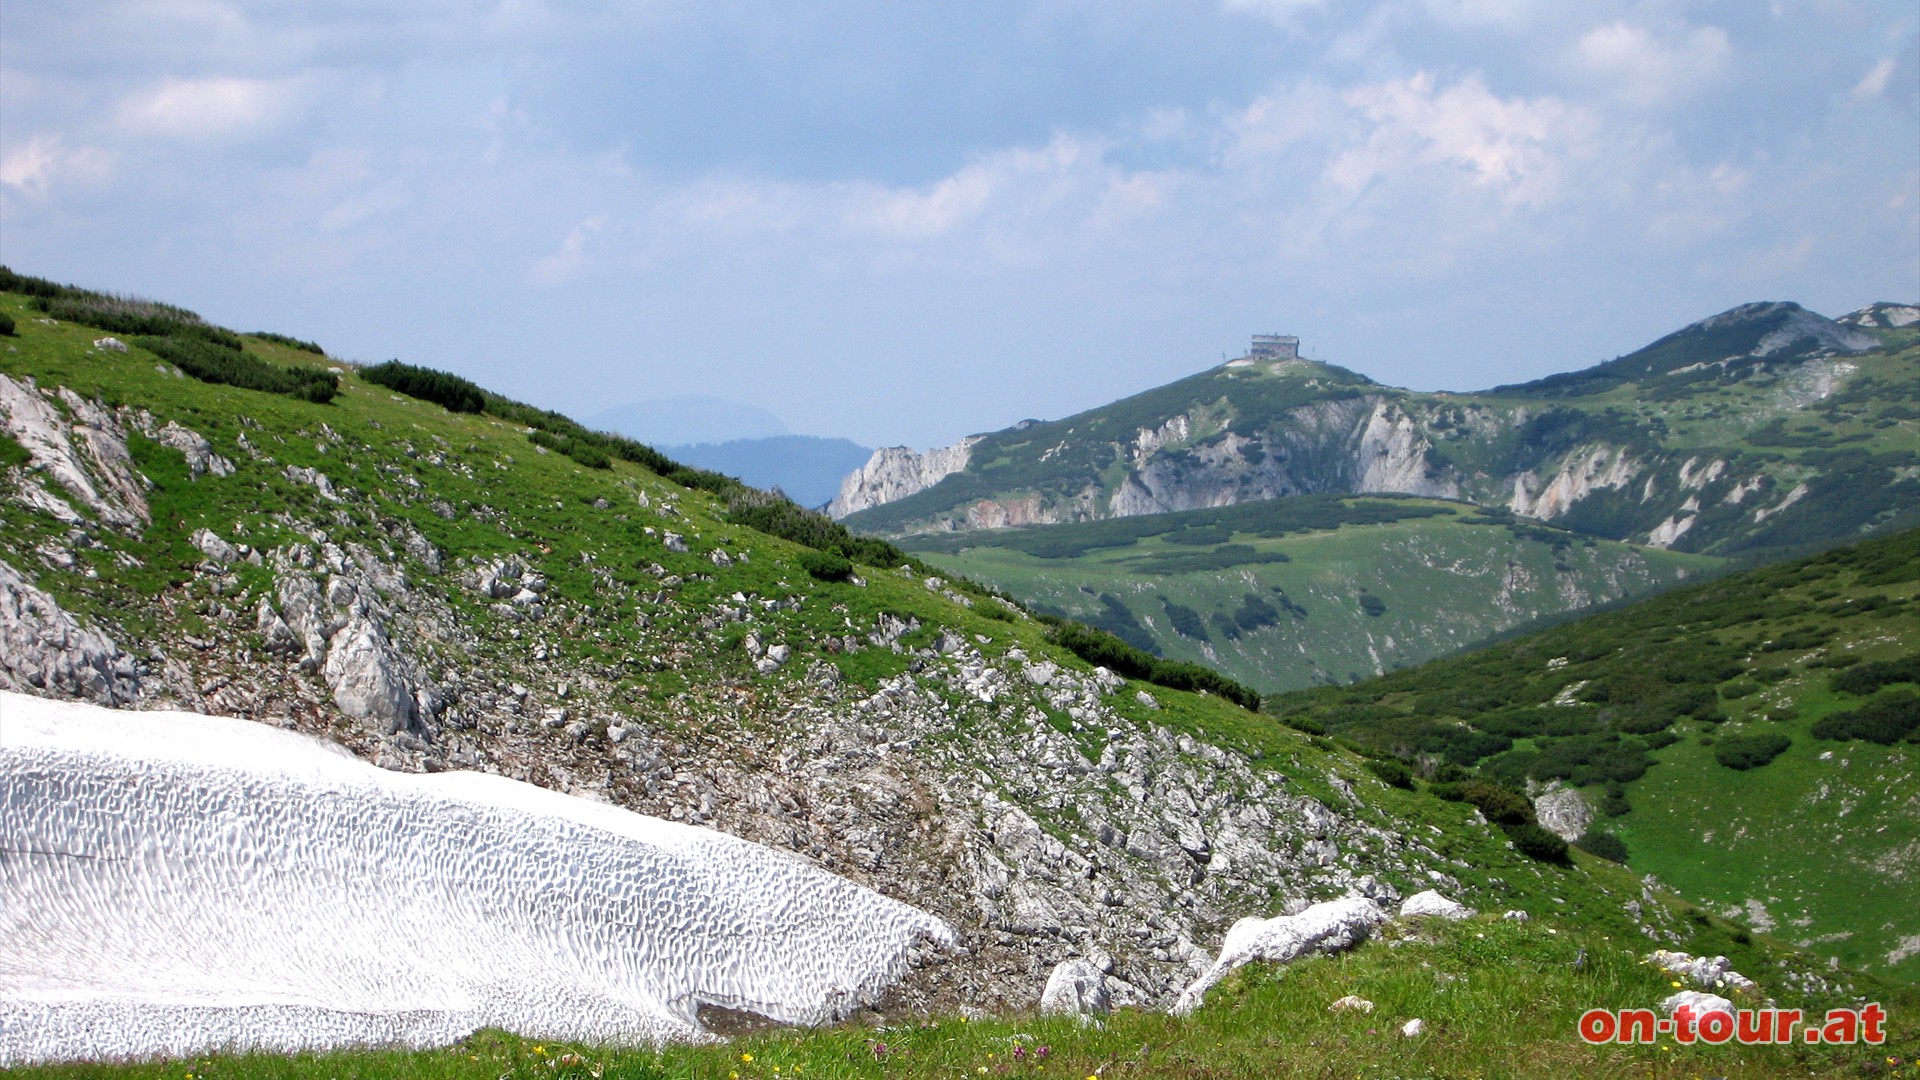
178 883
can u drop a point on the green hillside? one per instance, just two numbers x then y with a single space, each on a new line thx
1668 716
1764 427
1310 590
193 518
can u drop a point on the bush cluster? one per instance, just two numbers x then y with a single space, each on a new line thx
776 515
1391 770
440 387
211 361
1750 751
1885 719
290 342
1874 674
1106 650
1511 811
582 452
826 565
6 324
1604 844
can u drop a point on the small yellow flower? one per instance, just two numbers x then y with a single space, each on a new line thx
748 1058
1673 984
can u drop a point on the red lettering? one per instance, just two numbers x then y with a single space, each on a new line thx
1637 1026
1716 1027
1842 1027
1597 1026
1871 1016
1754 1025
1683 1021
1784 1021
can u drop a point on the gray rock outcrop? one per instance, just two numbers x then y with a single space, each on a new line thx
44 650
1564 812
895 472
1334 926
1077 988
1432 905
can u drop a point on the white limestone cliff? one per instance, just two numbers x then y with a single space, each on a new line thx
895 472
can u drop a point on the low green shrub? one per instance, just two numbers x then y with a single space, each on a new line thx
1886 718
1393 773
1536 842
214 362
427 384
1750 751
1604 844
826 565
1106 650
6 325
289 342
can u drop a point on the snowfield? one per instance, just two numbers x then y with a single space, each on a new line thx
172 883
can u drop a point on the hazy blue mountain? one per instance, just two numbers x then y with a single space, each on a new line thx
807 467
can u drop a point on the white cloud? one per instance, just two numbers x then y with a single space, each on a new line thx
44 163
209 108
1874 83
1514 147
563 264
1643 68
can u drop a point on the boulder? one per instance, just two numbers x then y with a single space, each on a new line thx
1563 812
1077 988
1705 972
1334 926
1431 904
1351 1003
364 676
1697 1003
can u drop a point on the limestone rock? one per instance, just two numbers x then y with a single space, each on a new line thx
87 456
44 650
1705 972
361 671
1431 904
217 550
1351 1003
1564 812
201 459
1323 928
1076 988
1700 1004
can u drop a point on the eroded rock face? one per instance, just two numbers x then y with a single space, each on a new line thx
895 472
1564 812
44 650
85 456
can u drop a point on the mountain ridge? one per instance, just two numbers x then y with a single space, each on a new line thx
1682 443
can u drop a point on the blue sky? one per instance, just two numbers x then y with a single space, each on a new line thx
905 221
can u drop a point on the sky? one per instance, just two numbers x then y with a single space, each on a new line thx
907 220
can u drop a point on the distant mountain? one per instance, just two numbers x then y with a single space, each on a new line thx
1765 426
808 468
686 419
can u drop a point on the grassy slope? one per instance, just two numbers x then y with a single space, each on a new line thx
1822 845
477 488
506 498
1498 998
1445 581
